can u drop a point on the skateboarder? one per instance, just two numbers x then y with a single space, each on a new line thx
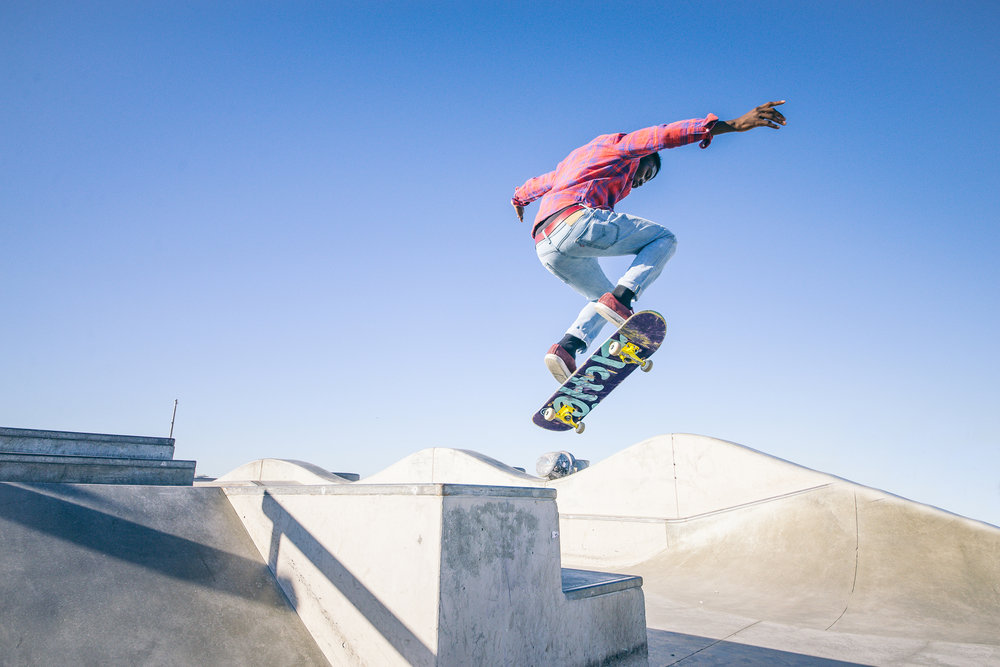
576 222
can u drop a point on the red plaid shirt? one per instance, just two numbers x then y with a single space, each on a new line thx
599 175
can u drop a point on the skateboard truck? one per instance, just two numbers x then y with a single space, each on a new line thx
627 353
565 415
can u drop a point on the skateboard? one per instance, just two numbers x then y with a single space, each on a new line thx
627 349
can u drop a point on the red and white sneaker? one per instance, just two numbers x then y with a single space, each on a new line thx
612 309
560 363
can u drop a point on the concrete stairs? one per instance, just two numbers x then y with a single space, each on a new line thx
34 456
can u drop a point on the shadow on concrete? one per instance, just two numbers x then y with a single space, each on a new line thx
97 587
677 649
125 540
407 644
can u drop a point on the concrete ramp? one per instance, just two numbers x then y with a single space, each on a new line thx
740 551
716 523
130 575
842 559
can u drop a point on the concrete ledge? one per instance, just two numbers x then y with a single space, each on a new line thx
67 443
94 470
579 584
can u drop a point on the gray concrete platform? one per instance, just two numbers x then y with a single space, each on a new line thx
69 443
40 468
36 456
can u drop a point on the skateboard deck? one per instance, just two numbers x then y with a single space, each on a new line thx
627 349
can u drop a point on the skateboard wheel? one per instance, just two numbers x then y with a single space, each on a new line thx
647 365
549 414
580 426
615 348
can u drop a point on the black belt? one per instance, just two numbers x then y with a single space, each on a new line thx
545 227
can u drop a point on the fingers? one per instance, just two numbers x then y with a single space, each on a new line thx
768 115
777 114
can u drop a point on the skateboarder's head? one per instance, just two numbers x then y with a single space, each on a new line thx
649 167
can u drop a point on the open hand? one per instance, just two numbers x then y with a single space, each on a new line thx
763 116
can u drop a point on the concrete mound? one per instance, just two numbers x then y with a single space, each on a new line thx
281 471
440 465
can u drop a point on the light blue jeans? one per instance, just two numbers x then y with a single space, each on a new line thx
570 253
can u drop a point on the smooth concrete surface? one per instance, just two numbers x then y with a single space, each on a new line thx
137 575
439 574
748 557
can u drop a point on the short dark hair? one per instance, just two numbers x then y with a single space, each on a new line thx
656 160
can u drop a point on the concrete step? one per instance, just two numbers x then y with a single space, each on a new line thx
67 443
42 468
579 584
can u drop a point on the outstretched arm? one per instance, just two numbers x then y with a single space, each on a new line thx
763 116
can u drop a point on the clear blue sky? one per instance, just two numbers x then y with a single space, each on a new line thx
294 217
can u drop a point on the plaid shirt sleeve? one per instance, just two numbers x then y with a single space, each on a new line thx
599 173
532 189
652 139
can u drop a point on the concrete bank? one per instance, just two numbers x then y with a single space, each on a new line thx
137 575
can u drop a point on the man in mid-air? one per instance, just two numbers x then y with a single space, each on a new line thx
576 222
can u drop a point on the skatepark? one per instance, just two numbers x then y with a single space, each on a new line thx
677 550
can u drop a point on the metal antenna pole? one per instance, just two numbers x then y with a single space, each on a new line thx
172 418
